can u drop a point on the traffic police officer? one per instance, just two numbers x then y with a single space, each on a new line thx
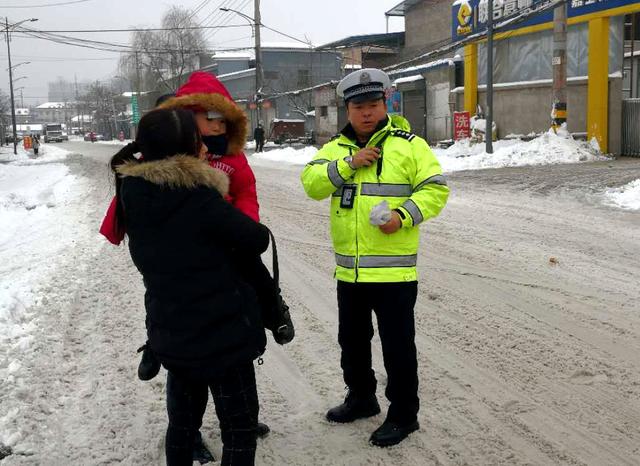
376 158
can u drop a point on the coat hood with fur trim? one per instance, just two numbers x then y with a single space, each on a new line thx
180 171
204 92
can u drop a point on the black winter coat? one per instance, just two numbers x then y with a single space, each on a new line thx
201 317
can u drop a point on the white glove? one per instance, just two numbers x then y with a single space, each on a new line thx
380 214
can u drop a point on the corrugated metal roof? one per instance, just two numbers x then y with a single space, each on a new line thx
401 8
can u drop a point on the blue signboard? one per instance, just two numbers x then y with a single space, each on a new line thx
470 16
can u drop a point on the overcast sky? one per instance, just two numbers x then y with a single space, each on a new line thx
321 21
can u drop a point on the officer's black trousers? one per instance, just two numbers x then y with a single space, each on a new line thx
236 401
393 304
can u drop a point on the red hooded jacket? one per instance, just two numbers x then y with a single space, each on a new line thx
204 92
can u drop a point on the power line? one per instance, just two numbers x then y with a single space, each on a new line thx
47 4
139 29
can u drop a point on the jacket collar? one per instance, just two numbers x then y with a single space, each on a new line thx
180 171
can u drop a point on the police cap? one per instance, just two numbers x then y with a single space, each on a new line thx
363 85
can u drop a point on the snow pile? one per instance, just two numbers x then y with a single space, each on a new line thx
36 227
114 142
288 155
625 197
251 145
546 149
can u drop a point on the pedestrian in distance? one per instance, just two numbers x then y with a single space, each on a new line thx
258 136
36 144
204 321
376 169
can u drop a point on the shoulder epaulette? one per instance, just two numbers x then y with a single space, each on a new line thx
403 134
335 137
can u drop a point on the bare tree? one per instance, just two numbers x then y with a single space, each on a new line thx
161 59
5 115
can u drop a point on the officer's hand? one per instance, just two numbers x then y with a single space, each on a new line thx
366 157
392 225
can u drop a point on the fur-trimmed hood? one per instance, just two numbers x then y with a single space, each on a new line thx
180 171
204 92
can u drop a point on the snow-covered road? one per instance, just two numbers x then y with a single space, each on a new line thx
528 333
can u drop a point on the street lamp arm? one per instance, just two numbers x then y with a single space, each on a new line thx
15 25
247 17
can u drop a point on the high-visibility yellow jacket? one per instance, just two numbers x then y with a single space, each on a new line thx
407 175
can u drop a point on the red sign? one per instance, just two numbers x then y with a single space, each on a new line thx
252 105
461 125
266 104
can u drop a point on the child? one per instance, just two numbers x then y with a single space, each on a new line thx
203 319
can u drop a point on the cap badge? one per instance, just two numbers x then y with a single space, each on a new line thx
365 78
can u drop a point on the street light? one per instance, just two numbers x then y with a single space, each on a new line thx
9 27
21 63
255 31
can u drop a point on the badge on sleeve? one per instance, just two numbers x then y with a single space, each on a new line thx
348 196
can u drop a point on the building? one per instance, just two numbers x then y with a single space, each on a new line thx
54 112
368 51
422 87
288 69
523 67
427 24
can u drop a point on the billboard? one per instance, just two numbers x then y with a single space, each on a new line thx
470 16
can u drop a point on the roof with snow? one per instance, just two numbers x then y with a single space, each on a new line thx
238 74
53 105
414 70
248 55
392 39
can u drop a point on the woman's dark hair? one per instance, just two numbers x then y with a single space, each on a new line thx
161 134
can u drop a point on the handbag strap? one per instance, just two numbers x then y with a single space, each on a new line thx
276 269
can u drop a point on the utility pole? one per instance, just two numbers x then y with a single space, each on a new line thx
13 104
559 106
488 132
257 22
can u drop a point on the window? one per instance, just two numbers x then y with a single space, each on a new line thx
324 111
304 78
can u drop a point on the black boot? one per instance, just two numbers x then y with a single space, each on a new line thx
201 453
262 430
149 365
391 433
354 408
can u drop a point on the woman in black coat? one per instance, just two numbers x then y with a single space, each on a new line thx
203 320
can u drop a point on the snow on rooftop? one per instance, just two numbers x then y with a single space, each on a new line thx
408 79
233 55
424 66
248 71
52 105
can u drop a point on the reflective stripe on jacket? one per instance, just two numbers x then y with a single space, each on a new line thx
409 179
